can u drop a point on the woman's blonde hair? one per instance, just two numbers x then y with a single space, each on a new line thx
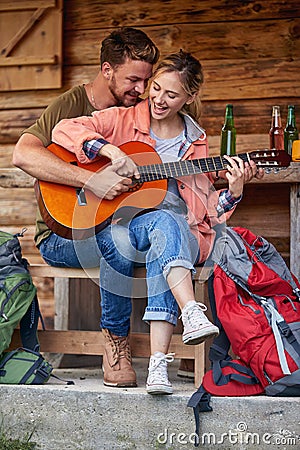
190 73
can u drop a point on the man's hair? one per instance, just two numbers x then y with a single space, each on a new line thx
128 43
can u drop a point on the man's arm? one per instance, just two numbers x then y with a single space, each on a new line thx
31 156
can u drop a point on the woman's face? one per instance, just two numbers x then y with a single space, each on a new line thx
166 95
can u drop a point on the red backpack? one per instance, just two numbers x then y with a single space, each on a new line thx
255 301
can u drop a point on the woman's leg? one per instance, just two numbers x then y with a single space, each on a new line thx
160 338
164 240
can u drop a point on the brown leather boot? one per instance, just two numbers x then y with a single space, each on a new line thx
117 368
186 369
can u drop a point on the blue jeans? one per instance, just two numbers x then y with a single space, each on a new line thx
159 239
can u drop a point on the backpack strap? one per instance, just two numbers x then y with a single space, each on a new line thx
200 402
245 375
221 344
69 382
29 326
281 329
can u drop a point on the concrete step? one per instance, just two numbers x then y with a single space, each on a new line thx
89 416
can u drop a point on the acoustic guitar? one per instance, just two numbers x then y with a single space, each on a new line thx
76 213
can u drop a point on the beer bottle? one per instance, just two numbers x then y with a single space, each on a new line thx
290 132
228 133
276 130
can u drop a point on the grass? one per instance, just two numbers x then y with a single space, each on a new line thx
9 443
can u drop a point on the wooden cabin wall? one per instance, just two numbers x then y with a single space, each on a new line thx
250 53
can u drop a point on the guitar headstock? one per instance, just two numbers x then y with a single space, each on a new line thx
271 160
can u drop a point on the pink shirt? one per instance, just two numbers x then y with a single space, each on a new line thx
119 125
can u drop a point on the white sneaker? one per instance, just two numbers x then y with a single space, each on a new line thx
196 326
158 381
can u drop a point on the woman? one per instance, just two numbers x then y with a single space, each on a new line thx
180 234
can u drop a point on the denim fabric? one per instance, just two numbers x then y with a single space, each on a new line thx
158 239
163 240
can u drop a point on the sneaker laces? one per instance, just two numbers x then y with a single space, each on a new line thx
195 312
158 366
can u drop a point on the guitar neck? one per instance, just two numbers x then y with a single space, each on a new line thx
176 169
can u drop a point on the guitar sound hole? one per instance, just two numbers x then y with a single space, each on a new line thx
135 186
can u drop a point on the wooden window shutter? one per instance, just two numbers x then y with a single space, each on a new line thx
30 44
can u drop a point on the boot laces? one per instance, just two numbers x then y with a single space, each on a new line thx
120 348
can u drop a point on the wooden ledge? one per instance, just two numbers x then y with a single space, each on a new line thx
78 342
43 270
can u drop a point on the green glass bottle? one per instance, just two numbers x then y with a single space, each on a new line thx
290 132
228 133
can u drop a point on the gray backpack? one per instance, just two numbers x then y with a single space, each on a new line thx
18 299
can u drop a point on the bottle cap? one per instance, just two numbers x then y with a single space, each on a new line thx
296 151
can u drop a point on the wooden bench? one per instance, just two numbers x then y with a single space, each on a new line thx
79 342
69 341
62 339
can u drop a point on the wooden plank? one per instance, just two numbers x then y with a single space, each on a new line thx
13 122
38 76
228 79
265 210
25 4
94 14
232 78
31 49
78 342
44 270
6 152
29 100
254 78
17 37
27 61
241 41
18 207
15 178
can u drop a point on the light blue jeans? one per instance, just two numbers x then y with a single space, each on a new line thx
158 239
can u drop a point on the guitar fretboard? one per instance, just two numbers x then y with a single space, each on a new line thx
153 172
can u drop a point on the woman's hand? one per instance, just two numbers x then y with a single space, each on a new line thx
252 171
235 175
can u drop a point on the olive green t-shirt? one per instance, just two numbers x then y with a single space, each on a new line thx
73 103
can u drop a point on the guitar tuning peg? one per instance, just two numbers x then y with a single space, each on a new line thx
268 170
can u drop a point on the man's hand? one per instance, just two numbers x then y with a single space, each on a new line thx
127 168
107 183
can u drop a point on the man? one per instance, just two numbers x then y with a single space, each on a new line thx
126 59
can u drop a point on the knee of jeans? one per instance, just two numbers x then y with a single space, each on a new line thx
120 240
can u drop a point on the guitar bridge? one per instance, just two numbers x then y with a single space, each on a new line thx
81 198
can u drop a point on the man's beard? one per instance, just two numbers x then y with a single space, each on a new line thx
121 99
